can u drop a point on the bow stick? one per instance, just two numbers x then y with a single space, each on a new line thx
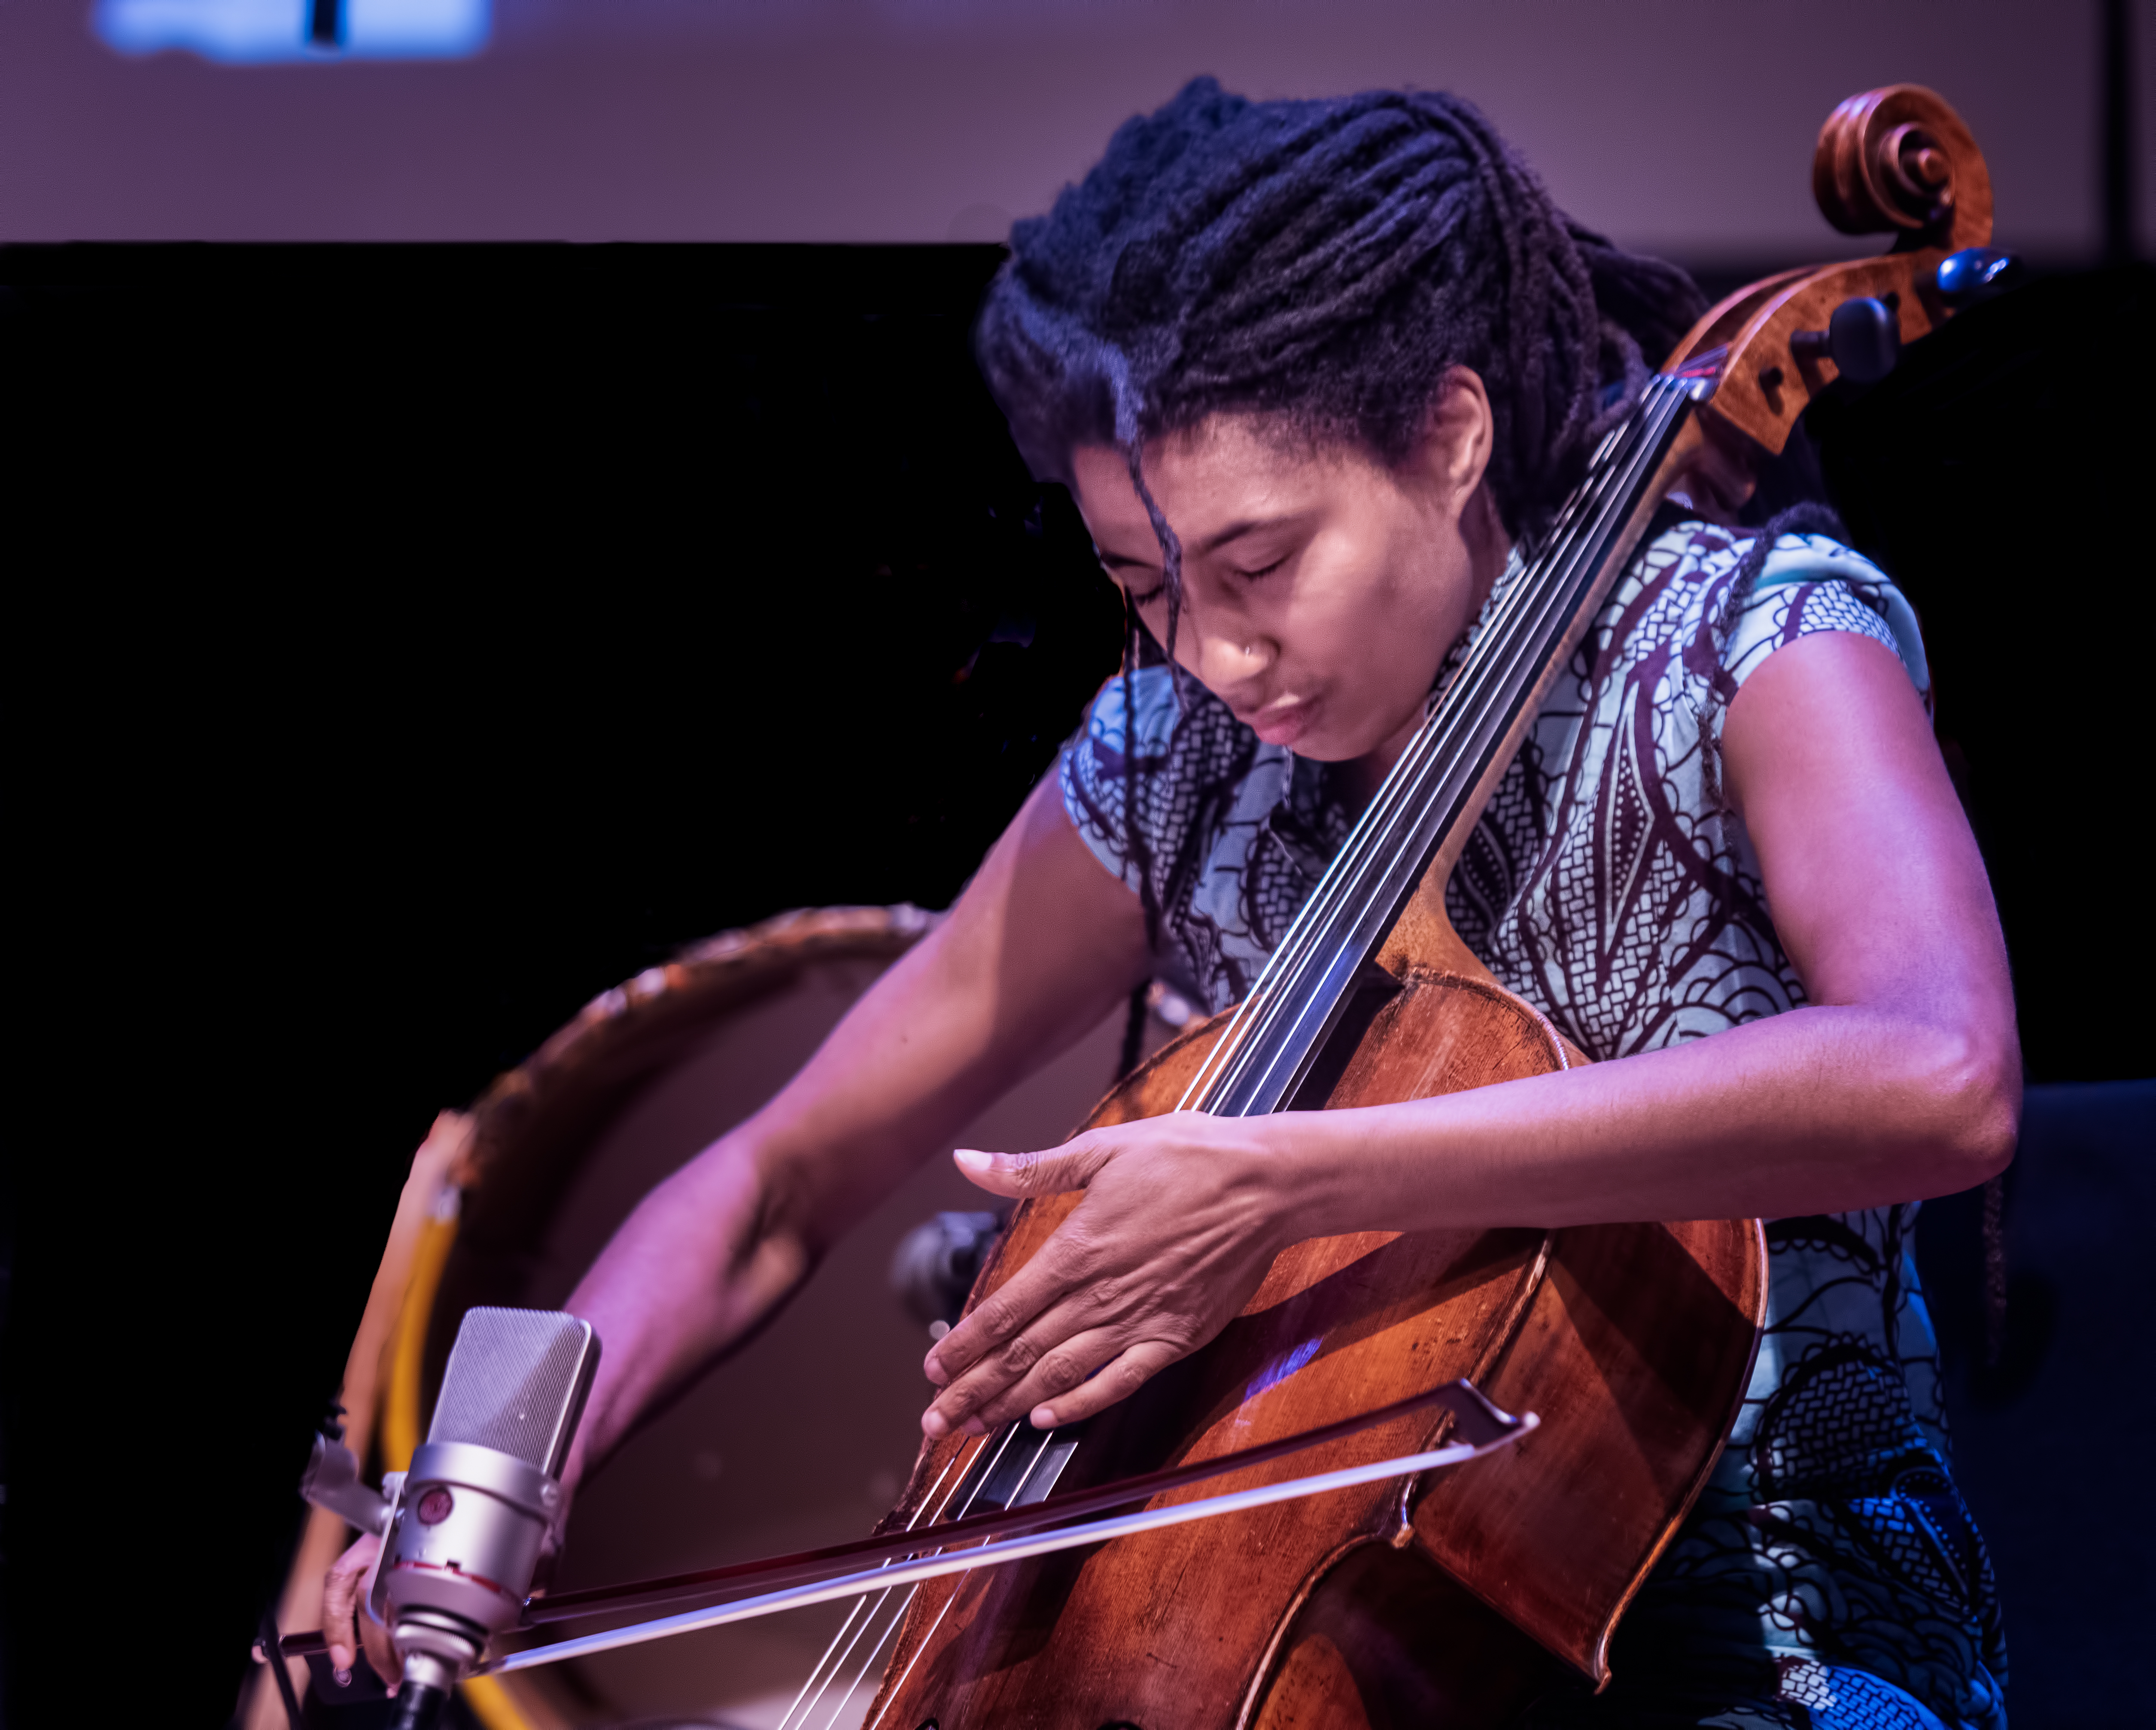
806 1577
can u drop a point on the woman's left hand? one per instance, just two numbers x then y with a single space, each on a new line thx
1181 1217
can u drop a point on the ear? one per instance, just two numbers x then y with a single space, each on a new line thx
1454 450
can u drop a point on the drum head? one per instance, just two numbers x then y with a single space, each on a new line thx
804 1436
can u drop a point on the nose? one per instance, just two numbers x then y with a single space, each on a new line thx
1227 657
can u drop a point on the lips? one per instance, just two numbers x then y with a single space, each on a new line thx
1281 723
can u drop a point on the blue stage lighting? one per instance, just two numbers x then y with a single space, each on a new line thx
243 32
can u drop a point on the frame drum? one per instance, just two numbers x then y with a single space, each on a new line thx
803 1436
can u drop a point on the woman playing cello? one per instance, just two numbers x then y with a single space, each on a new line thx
1314 372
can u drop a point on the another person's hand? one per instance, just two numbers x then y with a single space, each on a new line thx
344 1615
1182 1218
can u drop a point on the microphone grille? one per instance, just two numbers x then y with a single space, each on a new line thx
516 1383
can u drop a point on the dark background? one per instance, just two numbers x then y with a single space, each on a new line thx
406 644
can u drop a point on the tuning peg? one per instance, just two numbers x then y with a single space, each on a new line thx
1977 273
1863 339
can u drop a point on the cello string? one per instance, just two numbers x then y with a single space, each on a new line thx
892 1624
913 1591
1001 1442
1039 1454
1303 942
856 1607
1513 649
1515 632
1494 657
854 1680
1518 630
1253 1021
833 1654
863 1607
898 1618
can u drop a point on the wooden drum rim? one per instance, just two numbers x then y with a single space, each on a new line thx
620 1039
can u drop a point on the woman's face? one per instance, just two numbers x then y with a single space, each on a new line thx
1321 588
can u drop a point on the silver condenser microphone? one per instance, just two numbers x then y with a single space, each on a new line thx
461 1536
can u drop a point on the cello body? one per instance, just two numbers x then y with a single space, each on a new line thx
1454 1601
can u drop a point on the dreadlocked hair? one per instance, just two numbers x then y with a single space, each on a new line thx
1322 264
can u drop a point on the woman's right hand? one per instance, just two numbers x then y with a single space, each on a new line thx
344 1616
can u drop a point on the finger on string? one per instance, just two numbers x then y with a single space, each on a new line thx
1087 1372
1115 1381
1059 1349
1060 1276
1055 1295
1062 1368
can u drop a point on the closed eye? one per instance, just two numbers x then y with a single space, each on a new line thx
1117 565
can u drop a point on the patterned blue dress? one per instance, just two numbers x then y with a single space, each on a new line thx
1830 1576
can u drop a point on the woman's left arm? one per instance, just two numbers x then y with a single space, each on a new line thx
1900 1078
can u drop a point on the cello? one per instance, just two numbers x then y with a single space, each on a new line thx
1456 1599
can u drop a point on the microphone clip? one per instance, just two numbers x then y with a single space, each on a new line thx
331 1481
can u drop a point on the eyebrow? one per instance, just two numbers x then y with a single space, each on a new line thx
1117 560
1247 525
1213 543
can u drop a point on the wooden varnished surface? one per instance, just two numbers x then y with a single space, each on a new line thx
1896 161
1300 1615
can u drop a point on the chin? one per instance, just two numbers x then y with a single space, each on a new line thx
1320 747
1332 744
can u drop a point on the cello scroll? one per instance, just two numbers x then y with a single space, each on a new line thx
1896 161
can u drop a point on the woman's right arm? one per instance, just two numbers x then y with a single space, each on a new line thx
1042 944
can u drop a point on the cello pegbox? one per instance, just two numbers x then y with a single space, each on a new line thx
1894 161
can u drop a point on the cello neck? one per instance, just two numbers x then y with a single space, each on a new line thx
1425 809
